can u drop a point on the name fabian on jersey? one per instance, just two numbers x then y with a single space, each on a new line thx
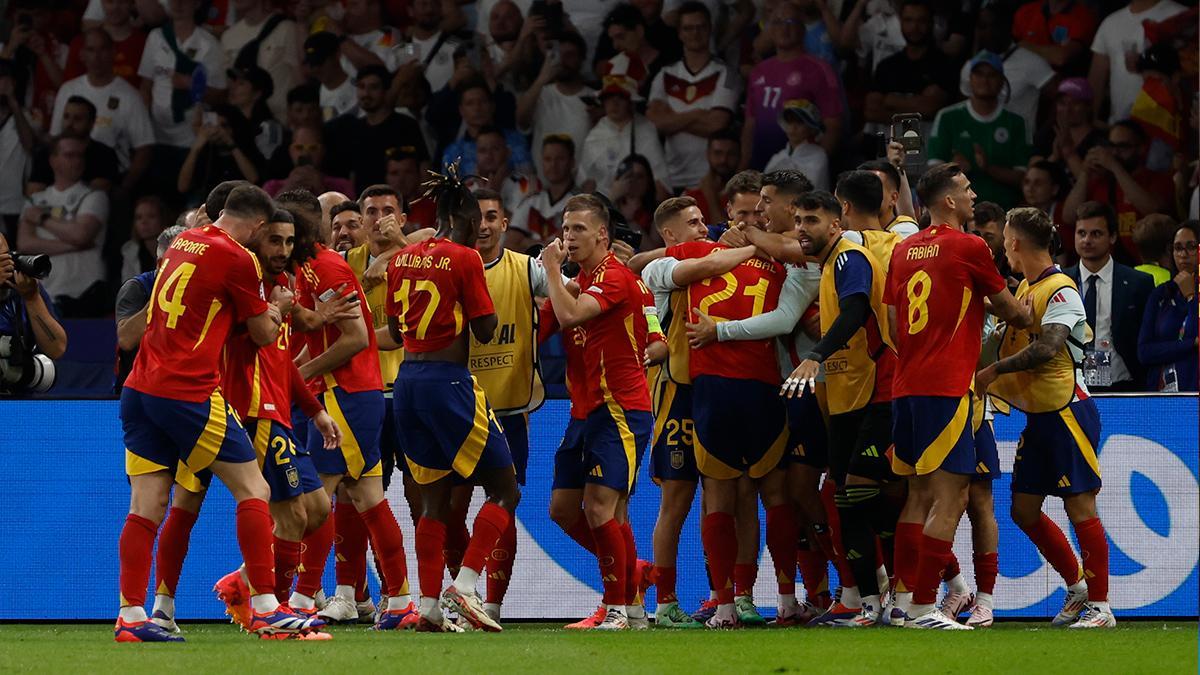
422 261
923 252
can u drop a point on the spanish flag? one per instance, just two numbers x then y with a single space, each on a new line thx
1157 109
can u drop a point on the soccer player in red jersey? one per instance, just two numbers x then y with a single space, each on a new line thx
937 283
435 289
343 368
172 409
734 381
260 384
616 397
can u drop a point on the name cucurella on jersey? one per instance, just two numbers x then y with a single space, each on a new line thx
923 252
418 261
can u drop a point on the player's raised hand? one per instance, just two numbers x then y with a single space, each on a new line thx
554 254
804 376
377 271
703 332
329 430
734 237
622 251
656 353
338 308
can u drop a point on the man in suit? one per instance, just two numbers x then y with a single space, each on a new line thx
1114 296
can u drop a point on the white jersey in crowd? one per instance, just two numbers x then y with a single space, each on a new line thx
559 113
440 67
538 218
809 159
158 66
1026 73
386 43
879 35
122 120
713 87
338 102
76 271
607 145
588 18
1121 33
278 54
15 161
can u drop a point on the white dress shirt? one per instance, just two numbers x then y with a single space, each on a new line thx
1104 324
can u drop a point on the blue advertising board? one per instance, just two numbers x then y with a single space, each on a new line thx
66 496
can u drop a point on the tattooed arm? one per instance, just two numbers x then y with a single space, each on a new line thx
1052 339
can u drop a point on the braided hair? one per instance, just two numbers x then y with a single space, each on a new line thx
457 210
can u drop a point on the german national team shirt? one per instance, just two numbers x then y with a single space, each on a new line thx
713 87
937 282
262 382
751 289
773 82
206 283
615 340
435 287
319 279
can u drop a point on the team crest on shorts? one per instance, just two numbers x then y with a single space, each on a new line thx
676 459
293 477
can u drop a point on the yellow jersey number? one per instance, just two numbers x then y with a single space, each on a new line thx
435 297
169 297
758 291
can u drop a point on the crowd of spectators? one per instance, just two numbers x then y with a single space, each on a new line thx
117 117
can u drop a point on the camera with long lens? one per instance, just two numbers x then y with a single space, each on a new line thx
22 371
34 266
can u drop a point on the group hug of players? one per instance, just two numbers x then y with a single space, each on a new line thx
814 359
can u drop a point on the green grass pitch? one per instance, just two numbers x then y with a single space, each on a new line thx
1133 647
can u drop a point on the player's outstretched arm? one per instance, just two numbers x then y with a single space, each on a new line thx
778 246
794 299
353 340
1008 309
715 264
638 262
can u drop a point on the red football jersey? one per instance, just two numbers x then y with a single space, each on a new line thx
576 368
257 381
206 283
435 287
322 276
752 288
614 341
937 282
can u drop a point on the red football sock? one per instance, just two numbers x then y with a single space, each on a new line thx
172 549
134 550
664 581
987 566
812 572
582 534
458 537
254 536
287 559
718 532
610 553
430 543
631 564
314 552
500 564
781 541
832 539
1053 545
490 523
1093 548
935 555
349 546
952 569
908 551
744 576
388 543
824 541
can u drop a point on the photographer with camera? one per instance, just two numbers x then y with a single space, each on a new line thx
30 334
